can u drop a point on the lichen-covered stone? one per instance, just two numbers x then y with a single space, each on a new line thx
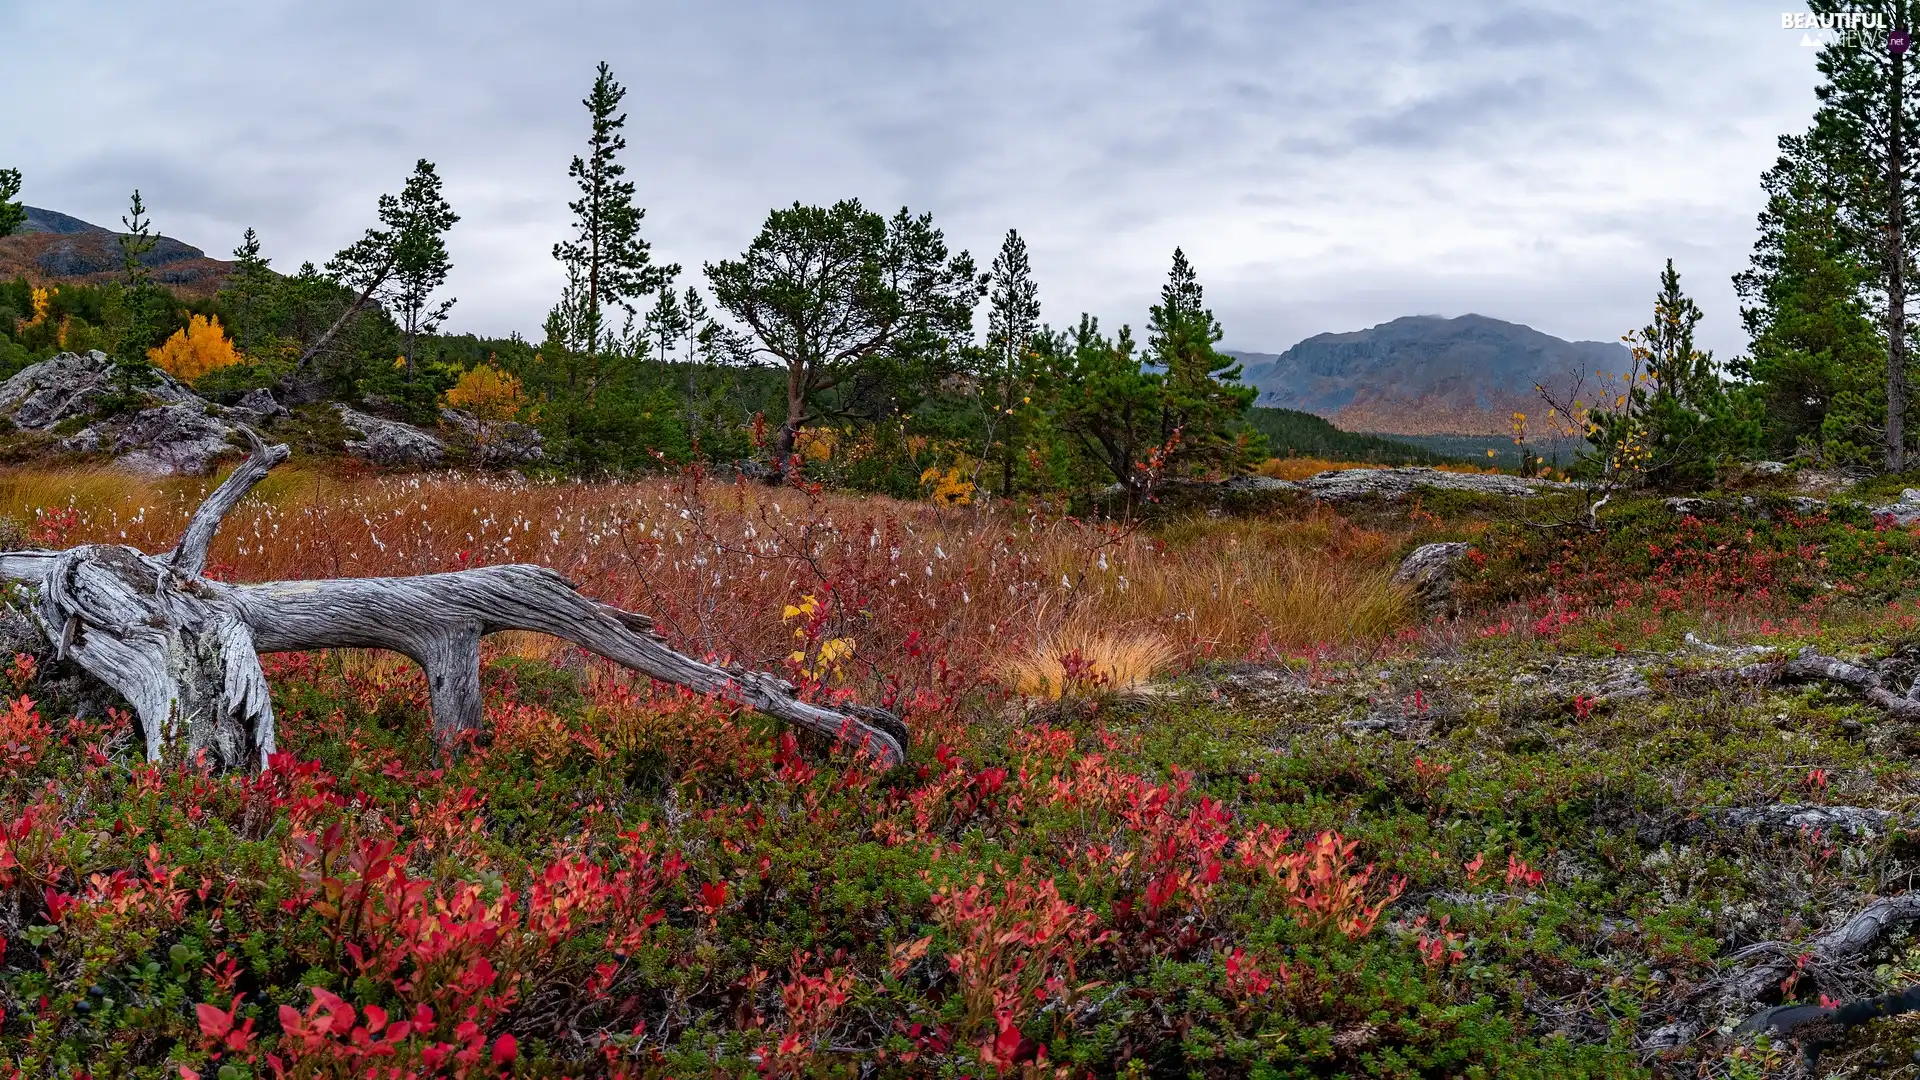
389 442
1429 572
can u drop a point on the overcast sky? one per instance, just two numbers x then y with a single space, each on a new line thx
1327 166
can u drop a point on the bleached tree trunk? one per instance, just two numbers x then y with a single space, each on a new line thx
183 649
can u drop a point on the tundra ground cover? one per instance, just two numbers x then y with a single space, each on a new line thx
1331 841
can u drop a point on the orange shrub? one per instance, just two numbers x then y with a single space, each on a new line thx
196 350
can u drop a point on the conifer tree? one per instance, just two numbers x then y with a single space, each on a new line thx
1675 423
1013 319
1869 118
399 263
250 289
667 323
1203 400
420 260
858 308
608 263
1817 360
137 241
12 214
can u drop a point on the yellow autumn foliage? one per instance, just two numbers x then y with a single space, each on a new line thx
815 444
42 303
949 486
487 392
196 350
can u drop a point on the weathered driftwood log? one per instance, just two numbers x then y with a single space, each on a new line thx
183 649
1773 961
1807 666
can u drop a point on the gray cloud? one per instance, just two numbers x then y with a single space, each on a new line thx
1327 166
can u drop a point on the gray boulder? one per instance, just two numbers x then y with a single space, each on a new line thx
257 407
390 443
168 430
1903 511
492 444
1744 506
1431 571
179 438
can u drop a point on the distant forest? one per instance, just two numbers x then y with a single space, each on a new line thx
1292 433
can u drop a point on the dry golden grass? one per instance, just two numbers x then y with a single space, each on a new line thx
1077 661
914 585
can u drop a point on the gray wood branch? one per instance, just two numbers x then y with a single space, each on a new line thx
184 650
1849 941
1809 666
190 556
439 619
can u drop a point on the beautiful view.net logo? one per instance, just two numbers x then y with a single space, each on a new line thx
1862 28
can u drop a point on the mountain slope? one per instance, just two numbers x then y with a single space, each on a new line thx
55 247
1426 375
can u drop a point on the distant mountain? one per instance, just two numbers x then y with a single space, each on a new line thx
55 247
1426 375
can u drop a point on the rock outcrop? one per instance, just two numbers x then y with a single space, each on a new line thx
1337 486
1346 485
1431 571
492 444
1702 506
390 443
1902 511
258 407
146 421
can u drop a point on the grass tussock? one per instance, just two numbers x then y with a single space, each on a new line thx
1077 662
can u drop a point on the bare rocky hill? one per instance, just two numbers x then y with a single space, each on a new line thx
1426 375
55 247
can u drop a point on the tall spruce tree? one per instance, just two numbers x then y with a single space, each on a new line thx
1869 118
1817 361
1013 319
608 263
1202 397
249 288
1675 424
12 214
1179 412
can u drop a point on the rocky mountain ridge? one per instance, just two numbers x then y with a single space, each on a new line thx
1426 375
53 247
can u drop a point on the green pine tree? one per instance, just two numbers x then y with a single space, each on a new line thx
137 241
12 214
250 289
1204 403
1007 375
1677 424
420 260
1817 361
1868 123
608 263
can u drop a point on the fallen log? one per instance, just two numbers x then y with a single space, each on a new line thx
184 649
1805 666
1849 941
